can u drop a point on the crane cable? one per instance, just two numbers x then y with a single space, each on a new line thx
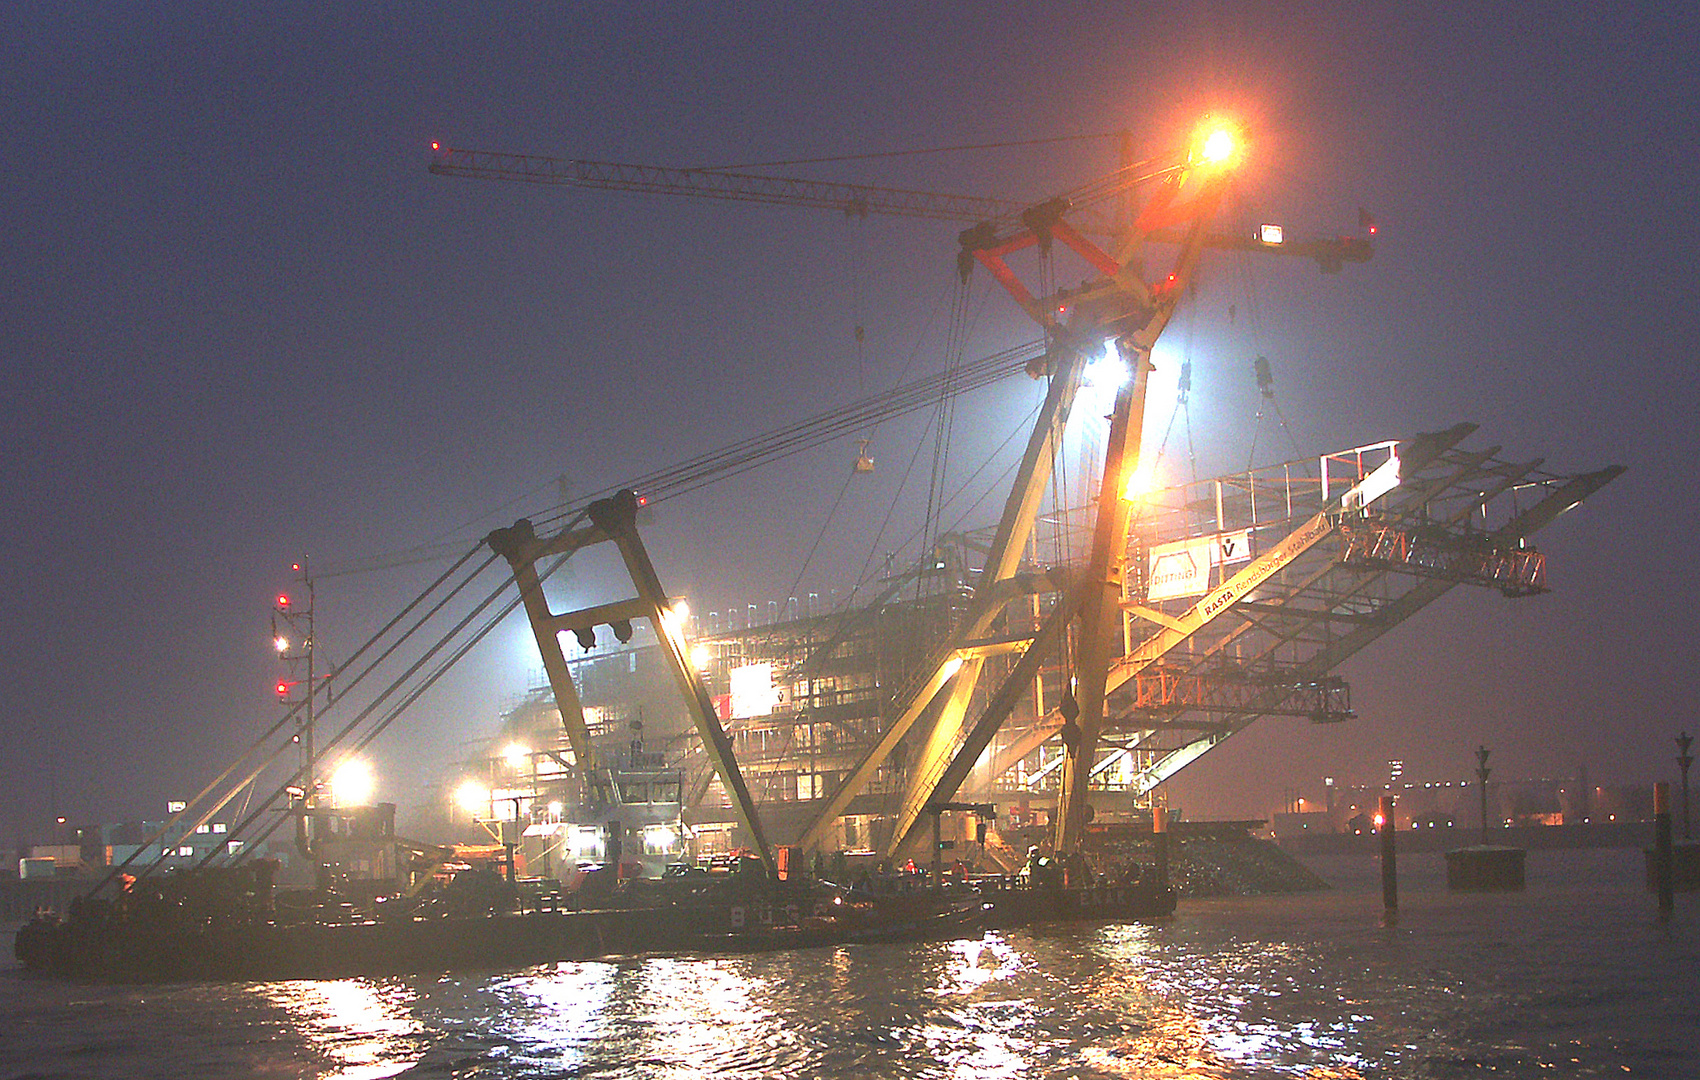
259 743
300 772
762 449
412 695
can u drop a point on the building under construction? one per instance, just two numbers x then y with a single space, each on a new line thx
1242 596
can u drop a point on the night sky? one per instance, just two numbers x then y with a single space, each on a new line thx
241 325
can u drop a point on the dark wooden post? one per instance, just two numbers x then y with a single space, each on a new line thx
1482 772
1685 759
1662 848
1160 842
1389 857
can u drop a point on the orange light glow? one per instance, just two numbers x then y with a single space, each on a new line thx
1215 142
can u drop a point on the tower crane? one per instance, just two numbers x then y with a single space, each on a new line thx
1120 311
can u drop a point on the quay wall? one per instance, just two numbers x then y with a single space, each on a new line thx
20 899
1595 834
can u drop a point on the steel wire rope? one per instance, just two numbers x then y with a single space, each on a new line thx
564 509
963 488
945 433
260 742
863 579
885 523
918 391
827 524
844 607
944 417
1183 390
757 450
284 747
413 695
786 448
1257 344
398 682
964 383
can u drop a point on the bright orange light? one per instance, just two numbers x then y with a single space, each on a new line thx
1380 821
1215 143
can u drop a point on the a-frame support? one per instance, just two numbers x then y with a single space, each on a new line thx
614 520
1119 308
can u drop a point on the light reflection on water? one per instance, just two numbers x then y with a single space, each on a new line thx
1568 980
364 1031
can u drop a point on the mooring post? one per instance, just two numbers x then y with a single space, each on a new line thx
1389 857
938 850
1482 772
1662 848
1160 846
1683 760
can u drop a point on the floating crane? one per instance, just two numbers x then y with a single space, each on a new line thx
1120 313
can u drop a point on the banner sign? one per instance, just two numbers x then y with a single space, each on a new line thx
1180 569
1234 547
752 690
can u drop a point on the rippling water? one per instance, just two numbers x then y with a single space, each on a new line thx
1576 977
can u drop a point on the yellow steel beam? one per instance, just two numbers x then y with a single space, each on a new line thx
617 516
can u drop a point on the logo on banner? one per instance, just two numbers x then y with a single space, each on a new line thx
1233 547
1180 569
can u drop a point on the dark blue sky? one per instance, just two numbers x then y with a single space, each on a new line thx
241 324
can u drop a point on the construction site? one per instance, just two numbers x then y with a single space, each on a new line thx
1023 685
1241 596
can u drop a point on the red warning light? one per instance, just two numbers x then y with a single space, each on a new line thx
435 145
282 600
282 688
295 566
643 500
